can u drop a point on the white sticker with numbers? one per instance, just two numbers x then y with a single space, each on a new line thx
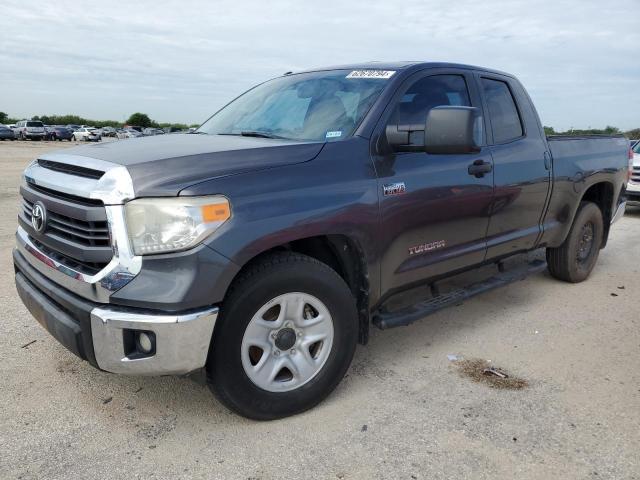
381 74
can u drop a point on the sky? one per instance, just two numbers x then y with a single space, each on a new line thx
179 61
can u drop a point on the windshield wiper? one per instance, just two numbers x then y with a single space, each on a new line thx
259 134
252 133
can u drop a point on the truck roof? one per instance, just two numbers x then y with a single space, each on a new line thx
402 65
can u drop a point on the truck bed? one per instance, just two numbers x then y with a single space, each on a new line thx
579 162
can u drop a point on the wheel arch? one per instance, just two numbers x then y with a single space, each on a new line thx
341 253
602 194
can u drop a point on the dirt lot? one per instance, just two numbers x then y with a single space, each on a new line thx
403 411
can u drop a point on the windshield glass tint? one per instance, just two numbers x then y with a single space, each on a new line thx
315 106
636 148
34 124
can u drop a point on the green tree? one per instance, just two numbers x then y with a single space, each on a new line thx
140 120
549 131
3 117
633 134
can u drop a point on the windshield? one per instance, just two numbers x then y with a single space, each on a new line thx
636 148
315 106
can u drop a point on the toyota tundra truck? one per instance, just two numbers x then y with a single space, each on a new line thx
261 248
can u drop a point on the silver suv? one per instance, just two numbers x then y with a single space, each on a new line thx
32 129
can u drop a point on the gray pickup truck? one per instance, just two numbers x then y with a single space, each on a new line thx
261 248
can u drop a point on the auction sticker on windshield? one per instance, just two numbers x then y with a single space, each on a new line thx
382 74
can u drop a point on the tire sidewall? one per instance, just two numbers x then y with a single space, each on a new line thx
224 367
589 212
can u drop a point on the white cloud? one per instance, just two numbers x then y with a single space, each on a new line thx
180 60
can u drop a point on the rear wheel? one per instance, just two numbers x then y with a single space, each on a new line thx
574 260
285 338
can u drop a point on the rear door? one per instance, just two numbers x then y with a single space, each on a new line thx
434 214
521 170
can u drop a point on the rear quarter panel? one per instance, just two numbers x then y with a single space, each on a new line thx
578 164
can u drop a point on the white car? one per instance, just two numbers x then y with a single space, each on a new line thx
86 134
633 187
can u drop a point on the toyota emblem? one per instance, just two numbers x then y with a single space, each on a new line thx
39 217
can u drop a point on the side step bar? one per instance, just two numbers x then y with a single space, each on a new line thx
408 315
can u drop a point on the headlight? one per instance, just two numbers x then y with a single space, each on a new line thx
160 225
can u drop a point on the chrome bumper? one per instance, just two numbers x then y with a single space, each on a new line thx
182 341
619 212
121 270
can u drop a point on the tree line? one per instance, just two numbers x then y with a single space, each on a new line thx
608 130
138 119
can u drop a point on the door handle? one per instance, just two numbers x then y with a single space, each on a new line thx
479 168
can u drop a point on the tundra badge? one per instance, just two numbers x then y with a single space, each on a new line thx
397 188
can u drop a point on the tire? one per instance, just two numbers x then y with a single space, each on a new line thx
73 138
287 276
574 260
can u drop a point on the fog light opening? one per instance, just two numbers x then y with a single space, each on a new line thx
145 342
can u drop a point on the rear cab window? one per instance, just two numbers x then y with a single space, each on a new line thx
504 116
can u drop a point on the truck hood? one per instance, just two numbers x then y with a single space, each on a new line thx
165 164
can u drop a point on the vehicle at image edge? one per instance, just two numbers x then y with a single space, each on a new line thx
60 133
633 187
6 133
30 130
263 246
86 134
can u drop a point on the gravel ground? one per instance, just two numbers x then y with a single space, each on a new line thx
403 411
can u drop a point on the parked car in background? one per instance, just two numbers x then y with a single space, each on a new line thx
73 127
60 133
133 127
30 129
86 134
149 132
172 130
633 187
129 133
108 132
6 133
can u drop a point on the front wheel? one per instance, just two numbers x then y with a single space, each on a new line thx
575 258
285 338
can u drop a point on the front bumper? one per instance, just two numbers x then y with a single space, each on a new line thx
633 191
102 334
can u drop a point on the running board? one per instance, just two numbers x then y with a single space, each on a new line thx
406 316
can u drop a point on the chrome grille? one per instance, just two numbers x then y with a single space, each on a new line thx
635 174
82 232
76 232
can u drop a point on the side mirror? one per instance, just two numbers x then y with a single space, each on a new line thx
452 130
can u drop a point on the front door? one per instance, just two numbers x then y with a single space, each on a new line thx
434 214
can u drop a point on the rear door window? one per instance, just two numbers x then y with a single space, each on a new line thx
503 113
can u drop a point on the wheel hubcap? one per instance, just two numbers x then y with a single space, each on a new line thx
287 342
585 244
